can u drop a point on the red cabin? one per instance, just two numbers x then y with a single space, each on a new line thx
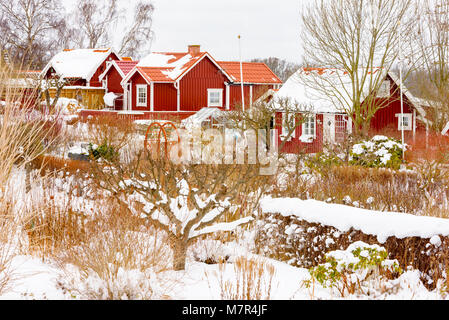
173 83
326 122
112 77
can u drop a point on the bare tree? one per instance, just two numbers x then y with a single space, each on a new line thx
29 29
358 39
432 40
96 19
186 200
138 38
111 23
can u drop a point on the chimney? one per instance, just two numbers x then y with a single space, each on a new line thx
194 50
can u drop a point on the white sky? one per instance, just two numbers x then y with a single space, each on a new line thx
268 27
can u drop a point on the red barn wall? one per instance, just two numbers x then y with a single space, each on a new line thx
205 75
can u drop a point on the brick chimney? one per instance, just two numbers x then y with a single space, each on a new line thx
194 50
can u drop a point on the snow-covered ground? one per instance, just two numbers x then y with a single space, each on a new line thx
200 281
35 278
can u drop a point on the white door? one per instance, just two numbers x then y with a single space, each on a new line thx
329 128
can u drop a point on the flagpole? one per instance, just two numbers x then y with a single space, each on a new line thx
241 73
402 99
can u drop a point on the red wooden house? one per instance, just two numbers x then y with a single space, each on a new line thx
326 123
173 83
112 77
81 68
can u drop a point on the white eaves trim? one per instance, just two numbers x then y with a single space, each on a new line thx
112 64
199 60
132 73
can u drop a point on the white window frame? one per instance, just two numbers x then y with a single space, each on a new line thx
285 127
384 89
139 102
220 94
409 117
306 127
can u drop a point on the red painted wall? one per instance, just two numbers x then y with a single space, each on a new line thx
295 145
165 97
137 79
113 79
385 121
205 75
94 82
235 96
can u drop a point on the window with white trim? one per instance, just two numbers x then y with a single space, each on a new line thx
215 97
309 127
384 89
406 121
141 95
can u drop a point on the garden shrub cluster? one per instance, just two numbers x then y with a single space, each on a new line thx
352 269
104 151
378 152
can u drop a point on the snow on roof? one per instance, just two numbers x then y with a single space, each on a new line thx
167 66
380 224
253 72
298 91
78 63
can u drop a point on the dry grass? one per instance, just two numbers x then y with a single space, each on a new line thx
7 249
253 280
419 192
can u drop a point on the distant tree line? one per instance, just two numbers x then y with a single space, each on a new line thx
282 68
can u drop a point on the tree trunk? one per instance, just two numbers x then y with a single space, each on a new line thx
179 255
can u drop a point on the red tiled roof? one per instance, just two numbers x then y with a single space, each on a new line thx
155 74
158 68
253 72
126 66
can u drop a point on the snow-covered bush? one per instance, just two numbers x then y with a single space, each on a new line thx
117 264
210 251
125 285
379 152
350 270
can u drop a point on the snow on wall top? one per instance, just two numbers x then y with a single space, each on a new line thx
78 63
300 89
380 224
